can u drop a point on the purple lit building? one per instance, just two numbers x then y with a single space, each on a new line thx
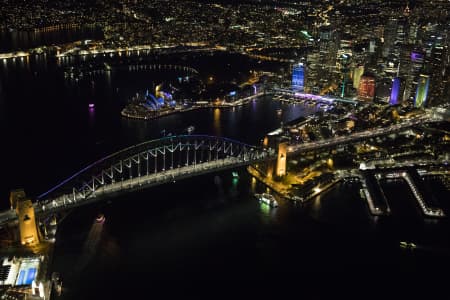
397 90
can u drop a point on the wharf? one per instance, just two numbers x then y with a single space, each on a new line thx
283 190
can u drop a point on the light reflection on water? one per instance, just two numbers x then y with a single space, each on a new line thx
91 117
253 185
216 122
90 246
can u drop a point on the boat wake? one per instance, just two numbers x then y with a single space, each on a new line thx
91 243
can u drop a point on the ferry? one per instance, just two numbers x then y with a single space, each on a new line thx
57 283
267 199
100 218
190 129
406 245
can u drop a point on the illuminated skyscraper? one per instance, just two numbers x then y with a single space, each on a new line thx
422 91
298 77
397 90
357 73
411 66
435 65
343 62
316 72
366 90
390 32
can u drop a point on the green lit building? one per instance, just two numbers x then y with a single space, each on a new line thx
422 91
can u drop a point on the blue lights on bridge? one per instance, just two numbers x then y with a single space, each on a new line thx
152 163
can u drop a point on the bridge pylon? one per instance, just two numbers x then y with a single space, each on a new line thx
27 219
281 159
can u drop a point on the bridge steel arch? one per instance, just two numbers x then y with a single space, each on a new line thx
148 164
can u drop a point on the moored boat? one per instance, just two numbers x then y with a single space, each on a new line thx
190 129
267 199
100 218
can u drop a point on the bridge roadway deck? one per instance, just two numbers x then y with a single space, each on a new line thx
144 181
160 178
294 149
68 201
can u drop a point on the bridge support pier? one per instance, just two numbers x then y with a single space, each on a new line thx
281 160
27 220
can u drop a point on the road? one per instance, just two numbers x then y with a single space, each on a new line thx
99 192
339 140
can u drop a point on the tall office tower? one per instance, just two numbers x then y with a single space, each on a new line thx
417 68
404 68
412 34
328 46
422 91
372 46
446 93
357 73
316 72
366 89
343 62
298 77
402 33
390 33
398 86
402 37
325 44
404 28
406 11
432 36
392 66
436 66
326 33
330 54
399 30
360 57
411 64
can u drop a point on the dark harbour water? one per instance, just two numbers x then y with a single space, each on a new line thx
200 229
198 232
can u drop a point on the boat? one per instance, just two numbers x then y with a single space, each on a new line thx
235 174
58 287
279 111
57 282
297 198
190 129
91 105
406 245
100 218
267 199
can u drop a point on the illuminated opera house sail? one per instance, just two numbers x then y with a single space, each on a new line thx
159 99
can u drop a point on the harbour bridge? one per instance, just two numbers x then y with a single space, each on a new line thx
148 164
144 165
162 161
